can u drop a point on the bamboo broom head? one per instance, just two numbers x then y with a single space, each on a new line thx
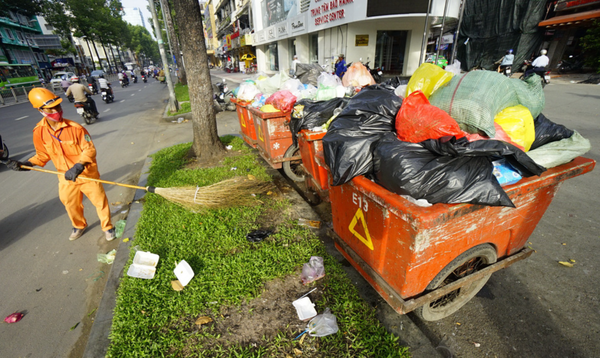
225 194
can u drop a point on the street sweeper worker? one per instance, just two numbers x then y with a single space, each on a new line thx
69 146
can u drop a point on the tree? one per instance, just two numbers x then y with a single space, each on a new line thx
206 145
174 40
139 41
26 8
591 44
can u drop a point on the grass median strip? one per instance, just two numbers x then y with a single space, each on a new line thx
239 303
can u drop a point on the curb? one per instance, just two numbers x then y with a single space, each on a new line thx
98 340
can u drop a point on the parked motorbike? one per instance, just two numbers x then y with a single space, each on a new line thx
84 109
571 64
376 73
3 150
107 95
222 97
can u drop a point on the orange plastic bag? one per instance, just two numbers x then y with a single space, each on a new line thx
282 100
357 75
418 120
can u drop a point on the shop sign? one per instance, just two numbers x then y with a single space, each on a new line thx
298 24
361 40
282 30
447 39
228 41
235 35
271 35
330 13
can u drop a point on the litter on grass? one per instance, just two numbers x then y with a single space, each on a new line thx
144 265
258 235
305 308
313 270
323 324
310 223
184 273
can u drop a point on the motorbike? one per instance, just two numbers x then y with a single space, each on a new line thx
144 78
124 82
107 95
507 71
571 64
84 109
3 150
93 88
543 74
376 73
134 79
222 97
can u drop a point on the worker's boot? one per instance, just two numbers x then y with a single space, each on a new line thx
76 234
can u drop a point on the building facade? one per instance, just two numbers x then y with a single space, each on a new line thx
18 41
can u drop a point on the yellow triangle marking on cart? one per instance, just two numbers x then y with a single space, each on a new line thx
360 216
260 134
243 119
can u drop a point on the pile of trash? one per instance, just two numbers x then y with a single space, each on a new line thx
442 136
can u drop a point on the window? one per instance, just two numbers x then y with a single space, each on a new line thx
20 36
9 33
273 56
292 49
389 52
314 49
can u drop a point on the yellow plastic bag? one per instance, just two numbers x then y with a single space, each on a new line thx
268 108
428 78
517 122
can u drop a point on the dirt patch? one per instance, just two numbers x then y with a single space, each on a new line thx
256 320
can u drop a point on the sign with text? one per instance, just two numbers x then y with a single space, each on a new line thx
324 14
361 40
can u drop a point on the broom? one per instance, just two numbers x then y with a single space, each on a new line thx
228 193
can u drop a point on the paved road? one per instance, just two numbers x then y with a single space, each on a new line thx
538 308
55 282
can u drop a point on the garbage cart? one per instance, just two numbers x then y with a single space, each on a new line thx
433 260
313 162
247 129
274 139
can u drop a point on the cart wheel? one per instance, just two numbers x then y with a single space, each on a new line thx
467 263
293 169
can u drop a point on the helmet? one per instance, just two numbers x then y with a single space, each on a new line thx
41 97
510 51
543 52
74 79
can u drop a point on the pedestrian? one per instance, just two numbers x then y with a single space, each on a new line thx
295 63
340 66
70 148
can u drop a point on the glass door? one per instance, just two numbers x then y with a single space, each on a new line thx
390 51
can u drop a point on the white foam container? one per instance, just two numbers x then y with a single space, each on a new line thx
305 308
184 272
144 265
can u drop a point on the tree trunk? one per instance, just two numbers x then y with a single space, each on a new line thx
174 40
107 58
91 55
98 56
206 144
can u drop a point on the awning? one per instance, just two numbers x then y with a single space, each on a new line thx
570 19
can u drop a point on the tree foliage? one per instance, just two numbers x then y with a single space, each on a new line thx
23 7
138 40
591 44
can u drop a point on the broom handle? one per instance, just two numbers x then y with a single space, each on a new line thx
90 179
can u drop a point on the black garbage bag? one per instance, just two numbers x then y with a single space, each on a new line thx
308 73
547 131
447 170
313 114
348 144
396 81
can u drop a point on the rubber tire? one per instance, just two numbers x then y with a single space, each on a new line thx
292 151
487 253
88 119
6 153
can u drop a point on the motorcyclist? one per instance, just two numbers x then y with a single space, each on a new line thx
506 60
78 91
64 83
538 65
123 77
92 81
105 85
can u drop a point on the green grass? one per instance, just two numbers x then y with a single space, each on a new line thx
228 269
184 107
181 93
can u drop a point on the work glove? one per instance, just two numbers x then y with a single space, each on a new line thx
16 165
74 172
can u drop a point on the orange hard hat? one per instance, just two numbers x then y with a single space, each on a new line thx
41 97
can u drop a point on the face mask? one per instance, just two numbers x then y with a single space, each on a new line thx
56 117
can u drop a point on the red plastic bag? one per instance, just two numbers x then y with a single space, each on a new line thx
418 120
282 100
500 135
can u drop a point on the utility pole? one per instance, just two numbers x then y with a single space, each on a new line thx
173 105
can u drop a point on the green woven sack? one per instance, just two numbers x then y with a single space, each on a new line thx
473 99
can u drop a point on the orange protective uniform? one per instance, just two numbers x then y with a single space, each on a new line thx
70 143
